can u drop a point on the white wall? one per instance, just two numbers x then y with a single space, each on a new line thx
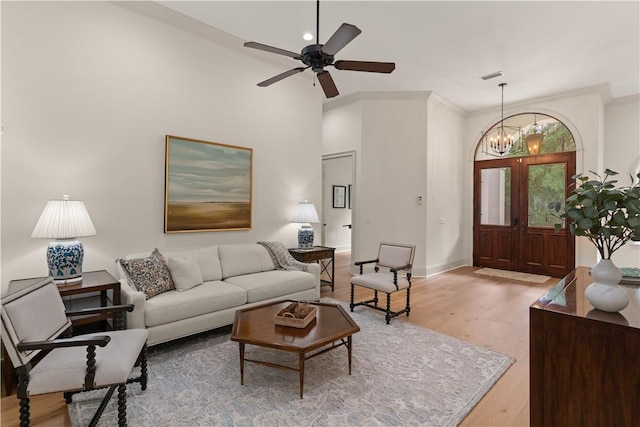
89 91
392 171
446 174
622 139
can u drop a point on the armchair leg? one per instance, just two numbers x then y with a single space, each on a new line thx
408 307
23 395
388 316
143 368
122 405
351 305
103 405
24 412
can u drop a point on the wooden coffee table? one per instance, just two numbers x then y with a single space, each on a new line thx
256 326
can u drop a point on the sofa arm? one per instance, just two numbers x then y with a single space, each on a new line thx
135 319
128 295
314 268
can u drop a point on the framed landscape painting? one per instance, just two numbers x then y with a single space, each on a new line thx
207 186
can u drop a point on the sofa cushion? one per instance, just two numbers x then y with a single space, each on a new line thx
240 259
273 284
209 297
207 259
149 275
184 272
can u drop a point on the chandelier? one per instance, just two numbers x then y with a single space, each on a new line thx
498 139
534 140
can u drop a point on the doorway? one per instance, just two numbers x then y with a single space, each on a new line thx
513 227
338 194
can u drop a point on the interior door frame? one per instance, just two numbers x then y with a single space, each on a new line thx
325 189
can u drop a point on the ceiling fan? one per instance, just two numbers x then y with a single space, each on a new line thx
318 56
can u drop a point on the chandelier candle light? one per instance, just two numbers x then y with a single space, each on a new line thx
64 220
502 143
306 215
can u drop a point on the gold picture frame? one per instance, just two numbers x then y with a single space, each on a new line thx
208 186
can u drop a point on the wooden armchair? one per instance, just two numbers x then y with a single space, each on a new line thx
34 319
393 258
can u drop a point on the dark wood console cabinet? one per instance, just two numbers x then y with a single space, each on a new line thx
585 363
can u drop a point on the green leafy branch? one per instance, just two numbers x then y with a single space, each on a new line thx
608 216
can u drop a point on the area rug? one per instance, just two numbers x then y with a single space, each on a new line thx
515 275
403 375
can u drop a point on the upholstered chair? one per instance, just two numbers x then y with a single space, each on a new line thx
393 260
34 323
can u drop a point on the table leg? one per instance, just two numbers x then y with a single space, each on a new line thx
8 371
333 272
349 342
241 363
301 366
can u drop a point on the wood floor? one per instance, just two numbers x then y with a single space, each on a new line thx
486 311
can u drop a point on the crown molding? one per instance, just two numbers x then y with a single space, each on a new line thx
624 100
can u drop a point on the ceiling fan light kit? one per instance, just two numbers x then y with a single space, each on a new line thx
318 56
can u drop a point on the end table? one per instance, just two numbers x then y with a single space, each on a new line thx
324 256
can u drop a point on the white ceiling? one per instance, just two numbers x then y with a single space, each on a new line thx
543 48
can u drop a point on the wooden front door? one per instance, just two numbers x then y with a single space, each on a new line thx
513 227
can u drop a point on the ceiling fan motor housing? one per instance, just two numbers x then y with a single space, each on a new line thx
314 57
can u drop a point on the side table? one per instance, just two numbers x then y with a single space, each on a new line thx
324 256
92 283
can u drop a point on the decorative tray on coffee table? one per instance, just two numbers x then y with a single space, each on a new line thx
296 315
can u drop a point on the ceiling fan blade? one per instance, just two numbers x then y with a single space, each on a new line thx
272 49
281 76
371 67
340 38
328 86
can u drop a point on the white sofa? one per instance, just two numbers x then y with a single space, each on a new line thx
234 276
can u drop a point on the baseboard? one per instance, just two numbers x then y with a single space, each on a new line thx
441 268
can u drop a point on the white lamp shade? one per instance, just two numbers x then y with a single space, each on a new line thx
64 219
305 213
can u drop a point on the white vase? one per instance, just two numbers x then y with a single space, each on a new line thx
604 293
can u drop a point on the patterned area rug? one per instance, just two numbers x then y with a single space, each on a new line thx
403 375
515 275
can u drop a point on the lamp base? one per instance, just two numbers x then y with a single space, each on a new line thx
64 259
305 237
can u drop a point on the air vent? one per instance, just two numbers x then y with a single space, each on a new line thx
492 75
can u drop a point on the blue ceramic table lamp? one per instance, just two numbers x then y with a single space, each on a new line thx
64 220
306 214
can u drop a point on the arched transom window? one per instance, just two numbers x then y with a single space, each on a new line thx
527 134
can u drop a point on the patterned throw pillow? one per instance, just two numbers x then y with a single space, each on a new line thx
149 275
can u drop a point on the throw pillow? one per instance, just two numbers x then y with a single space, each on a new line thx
149 275
185 272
